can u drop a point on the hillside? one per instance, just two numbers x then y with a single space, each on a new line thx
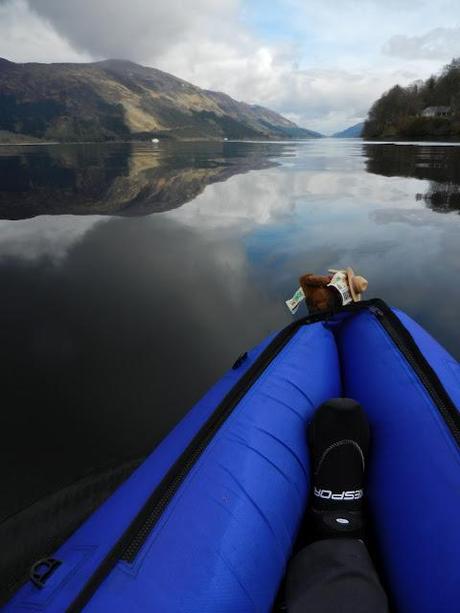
425 109
351 132
121 100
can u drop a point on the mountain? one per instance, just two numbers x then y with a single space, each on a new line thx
121 100
351 132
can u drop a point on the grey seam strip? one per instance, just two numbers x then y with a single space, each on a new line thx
339 444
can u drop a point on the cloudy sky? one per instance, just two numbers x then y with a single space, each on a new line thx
319 62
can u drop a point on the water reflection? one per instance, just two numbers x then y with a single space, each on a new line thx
110 180
104 340
437 164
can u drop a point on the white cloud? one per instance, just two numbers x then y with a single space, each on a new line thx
320 99
26 37
442 43
135 30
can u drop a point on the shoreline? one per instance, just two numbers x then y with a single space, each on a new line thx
163 141
395 142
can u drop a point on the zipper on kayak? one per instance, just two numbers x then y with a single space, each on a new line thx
403 340
132 540
203 438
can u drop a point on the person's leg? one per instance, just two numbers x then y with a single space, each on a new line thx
335 574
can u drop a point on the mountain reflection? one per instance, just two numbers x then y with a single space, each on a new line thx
437 164
110 180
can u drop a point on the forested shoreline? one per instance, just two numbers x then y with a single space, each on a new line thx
411 112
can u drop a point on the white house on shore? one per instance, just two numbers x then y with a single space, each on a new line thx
436 111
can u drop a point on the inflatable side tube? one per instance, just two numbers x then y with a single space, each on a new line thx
444 367
225 538
402 378
208 521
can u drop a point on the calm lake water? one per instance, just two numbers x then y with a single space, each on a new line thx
133 275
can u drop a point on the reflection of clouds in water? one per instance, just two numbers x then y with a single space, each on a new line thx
46 236
270 196
410 216
293 219
299 220
254 198
118 341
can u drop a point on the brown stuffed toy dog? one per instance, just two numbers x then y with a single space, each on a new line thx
318 296
330 292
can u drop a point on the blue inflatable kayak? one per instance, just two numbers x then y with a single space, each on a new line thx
207 523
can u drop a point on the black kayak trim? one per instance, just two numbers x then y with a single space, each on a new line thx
131 541
404 341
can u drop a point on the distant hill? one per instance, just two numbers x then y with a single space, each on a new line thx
121 100
425 109
351 132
